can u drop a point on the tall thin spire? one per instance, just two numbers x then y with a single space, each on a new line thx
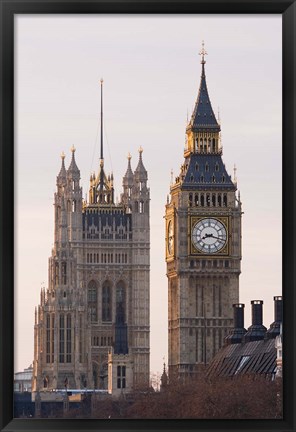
203 117
101 156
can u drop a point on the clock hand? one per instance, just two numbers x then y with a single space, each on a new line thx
218 238
207 236
212 236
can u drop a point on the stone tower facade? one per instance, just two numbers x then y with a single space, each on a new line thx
203 244
97 300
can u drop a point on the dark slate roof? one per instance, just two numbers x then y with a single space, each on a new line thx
73 168
106 219
203 116
206 170
257 357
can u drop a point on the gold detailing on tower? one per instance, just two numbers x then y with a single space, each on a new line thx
203 53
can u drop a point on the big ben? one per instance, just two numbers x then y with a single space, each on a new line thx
203 244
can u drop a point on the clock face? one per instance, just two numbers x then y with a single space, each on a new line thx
209 235
170 237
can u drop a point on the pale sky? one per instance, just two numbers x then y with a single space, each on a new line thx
151 70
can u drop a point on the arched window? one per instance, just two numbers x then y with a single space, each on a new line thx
62 339
92 300
219 200
225 200
47 338
68 339
64 273
120 301
202 200
106 302
190 200
56 277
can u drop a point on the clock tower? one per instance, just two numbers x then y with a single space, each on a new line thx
203 244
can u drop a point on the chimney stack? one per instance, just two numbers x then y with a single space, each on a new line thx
236 334
274 329
257 330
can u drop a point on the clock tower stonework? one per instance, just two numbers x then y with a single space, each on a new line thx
203 244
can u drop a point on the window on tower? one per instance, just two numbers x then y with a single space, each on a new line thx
56 270
106 302
190 200
64 273
68 339
120 299
93 301
121 376
225 200
62 339
47 338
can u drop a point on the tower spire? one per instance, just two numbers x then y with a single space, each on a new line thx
101 155
203 118
203 52
102 174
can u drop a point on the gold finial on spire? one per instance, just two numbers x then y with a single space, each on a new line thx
129 156
63 155
101 80
203 53
141 150
73 149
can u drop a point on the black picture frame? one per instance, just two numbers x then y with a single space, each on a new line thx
8 8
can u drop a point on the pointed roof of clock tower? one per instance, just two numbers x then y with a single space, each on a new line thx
203 116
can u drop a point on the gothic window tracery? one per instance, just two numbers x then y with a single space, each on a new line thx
120 300
64 273
106 302
93 300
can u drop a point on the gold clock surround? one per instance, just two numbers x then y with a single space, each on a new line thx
170 238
